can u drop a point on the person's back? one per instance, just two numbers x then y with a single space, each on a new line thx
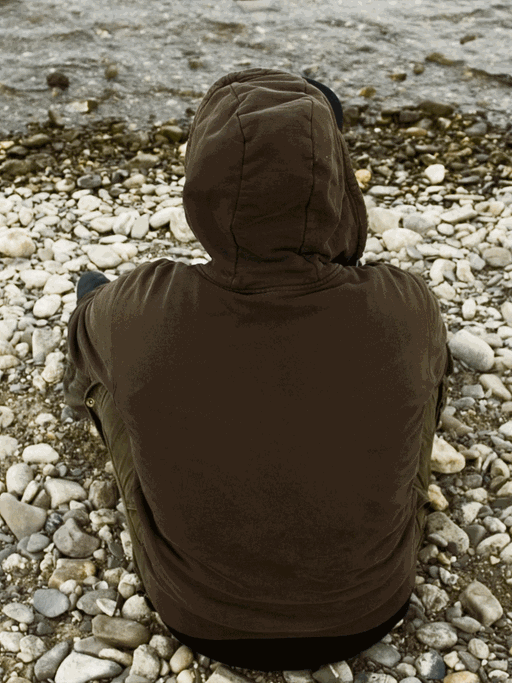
275 399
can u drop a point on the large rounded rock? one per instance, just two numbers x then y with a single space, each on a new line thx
472 350
73 542
16 243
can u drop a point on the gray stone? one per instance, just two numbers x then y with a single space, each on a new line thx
50 602
382 653
498 257
472 350
18 477
87 603
62 491
103 256
438 635
8 444
439 523
431 666
19 612
223 674
181 659
37 542
44 341
73 542
146 662
481 604
120 632
80 668
21 518
47 665
40 453
89 181
103 494
47 306
17 243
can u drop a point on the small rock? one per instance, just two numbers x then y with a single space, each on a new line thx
21 518
88 602
57 284
438 635
47 665
103 256
77 570
481 604
35 278
111 71
19 612
37 140
472 350
135 608
181 659
381 219
17 244
435 173
89 181
62 491
8 445
120 632
31 647
140 227
18 477
6 418
80 668
57 80
73 542
445 458
50 602
47 306
146 663
103 494
40 453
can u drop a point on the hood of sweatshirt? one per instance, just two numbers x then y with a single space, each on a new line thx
269 190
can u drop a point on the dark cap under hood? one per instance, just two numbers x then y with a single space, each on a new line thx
269 187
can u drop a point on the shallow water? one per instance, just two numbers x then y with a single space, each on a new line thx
169 52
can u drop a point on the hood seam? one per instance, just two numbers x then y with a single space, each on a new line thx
306 288
312 186
231 230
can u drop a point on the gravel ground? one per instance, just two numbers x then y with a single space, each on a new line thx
107 197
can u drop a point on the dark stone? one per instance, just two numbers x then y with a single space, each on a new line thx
16 167
89 181
17 151
408 116
37 140
436 108
58 80
118 176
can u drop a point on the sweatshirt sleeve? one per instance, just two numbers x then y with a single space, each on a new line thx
89 357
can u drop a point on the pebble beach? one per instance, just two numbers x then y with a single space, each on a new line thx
107 196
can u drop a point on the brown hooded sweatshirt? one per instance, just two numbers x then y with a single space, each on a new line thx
274 397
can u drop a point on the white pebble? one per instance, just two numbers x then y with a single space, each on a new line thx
58 284
25 215
17 244
435 173
40 453
34 278
46 306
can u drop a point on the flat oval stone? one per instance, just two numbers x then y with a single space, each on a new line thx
73 542
120 632
80 668
21 518
50 602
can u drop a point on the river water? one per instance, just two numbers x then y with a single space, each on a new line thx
169 52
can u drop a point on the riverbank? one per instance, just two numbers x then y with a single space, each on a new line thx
107 196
